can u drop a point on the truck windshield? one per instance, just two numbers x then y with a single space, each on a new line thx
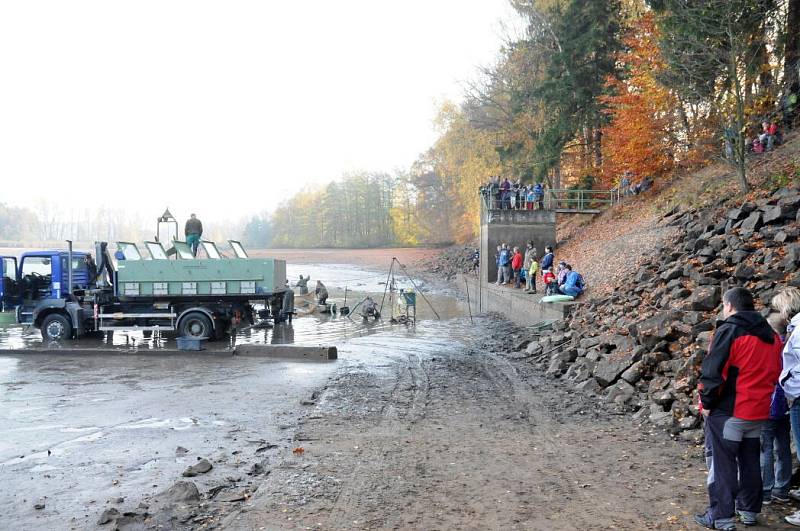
36 265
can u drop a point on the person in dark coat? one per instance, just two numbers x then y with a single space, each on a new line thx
91 268
193 231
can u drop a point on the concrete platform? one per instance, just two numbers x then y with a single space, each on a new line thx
286 352
519 307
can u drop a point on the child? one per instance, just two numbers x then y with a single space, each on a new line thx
532 275
776 453
549 280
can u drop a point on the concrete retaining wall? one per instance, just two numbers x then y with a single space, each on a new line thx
516 228
519 307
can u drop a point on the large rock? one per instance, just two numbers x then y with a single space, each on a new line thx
664 398
589 342
739 256
662 419
607 371
772 214
659 327
705 298
182 491
589 386
108 515
735 214
634 373
620 393
201 467
557 367
744 272
580 370
752 223
534 348
672 273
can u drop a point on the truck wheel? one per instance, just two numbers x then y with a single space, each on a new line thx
196 324
56 327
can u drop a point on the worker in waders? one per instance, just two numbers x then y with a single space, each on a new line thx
288 304
321 292
193 231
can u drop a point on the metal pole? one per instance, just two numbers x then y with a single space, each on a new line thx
469 305
388 276
69 267
481 271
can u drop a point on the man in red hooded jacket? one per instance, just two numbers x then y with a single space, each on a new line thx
737 380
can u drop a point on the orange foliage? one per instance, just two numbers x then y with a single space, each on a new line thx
640 136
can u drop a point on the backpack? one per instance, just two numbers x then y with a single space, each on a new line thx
581 284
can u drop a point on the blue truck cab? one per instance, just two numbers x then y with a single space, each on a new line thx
39 282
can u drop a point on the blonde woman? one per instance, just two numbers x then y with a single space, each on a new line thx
787 304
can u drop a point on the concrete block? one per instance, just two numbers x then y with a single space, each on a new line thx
286 352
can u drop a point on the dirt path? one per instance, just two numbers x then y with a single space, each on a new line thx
472 440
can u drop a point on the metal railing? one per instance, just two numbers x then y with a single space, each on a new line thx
581 200
559 200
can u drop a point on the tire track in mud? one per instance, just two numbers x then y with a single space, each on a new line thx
470 440
402 404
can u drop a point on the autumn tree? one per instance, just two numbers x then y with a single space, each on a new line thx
642 135
709 48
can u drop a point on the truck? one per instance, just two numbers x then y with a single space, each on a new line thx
149 289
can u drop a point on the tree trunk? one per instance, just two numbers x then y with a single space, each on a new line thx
739 155
791 60
586 151
598 149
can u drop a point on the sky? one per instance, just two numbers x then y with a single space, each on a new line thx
224 108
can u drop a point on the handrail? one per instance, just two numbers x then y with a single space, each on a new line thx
561 199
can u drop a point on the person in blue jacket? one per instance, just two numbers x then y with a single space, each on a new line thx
574 284
547 260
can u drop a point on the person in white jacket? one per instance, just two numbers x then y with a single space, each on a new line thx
787 304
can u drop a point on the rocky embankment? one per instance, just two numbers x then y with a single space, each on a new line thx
641 347
449 263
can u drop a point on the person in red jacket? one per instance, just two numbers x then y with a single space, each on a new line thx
516 265
738 377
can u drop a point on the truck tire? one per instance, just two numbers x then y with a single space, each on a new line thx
56 327
196 325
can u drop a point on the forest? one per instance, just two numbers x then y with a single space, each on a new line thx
584 91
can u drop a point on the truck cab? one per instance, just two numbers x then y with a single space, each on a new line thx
40 277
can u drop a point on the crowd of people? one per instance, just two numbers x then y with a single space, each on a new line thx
505 195
749 389
522 266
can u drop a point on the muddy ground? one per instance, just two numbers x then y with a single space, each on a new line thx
461 437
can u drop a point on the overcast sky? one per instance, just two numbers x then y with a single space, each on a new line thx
224 108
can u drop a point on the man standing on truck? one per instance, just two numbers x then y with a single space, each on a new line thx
193 231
